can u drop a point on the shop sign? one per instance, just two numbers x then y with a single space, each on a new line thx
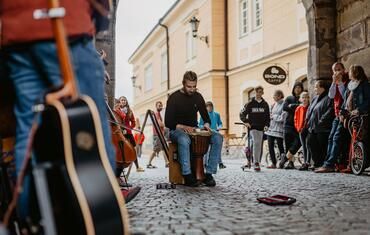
274 75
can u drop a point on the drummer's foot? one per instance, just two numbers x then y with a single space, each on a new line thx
209 180
190 181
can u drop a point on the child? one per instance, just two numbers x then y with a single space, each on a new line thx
300 126
256 115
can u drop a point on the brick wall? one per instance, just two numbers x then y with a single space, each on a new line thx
353 33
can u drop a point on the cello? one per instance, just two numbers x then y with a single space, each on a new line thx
125 152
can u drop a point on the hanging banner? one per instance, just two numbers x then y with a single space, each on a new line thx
274 75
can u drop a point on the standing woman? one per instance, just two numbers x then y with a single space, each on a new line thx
276 129
291 136
128 118
319 119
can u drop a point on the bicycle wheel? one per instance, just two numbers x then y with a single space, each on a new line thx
359 160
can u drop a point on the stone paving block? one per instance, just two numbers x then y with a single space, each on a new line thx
326 204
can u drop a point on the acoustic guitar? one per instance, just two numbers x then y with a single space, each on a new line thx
84 193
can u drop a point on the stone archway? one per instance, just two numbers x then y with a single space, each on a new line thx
321 20
338 30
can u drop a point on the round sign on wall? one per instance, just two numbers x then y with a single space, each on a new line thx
274 75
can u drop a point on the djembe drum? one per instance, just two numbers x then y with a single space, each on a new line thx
199 146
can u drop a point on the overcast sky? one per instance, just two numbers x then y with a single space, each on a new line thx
135 19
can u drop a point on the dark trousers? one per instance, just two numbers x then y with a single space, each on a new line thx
317 144
338 145
292 142
271 144
303 137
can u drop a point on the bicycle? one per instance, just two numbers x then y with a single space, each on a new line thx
358 157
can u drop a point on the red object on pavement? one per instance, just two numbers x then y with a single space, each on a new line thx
130 193
277 200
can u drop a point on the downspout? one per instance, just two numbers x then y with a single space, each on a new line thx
227 66
168 55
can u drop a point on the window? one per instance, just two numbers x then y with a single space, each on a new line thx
164 75
244 17
148 78
191 48
257 14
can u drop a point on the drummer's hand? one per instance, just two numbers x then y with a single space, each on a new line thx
187 129
206 126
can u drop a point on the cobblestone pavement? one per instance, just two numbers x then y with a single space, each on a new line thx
326 203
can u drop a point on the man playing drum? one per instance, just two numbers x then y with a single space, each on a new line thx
181 118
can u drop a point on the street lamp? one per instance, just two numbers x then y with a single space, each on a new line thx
133 79
194 22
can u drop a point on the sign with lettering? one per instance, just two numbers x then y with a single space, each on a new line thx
274 75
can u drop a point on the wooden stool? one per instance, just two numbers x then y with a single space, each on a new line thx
175 176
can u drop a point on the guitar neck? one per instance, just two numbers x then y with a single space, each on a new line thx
63 51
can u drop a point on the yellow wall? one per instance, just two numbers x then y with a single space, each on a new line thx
282 39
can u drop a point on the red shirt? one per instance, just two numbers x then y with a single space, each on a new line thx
300 118
128 120
160 120
19 26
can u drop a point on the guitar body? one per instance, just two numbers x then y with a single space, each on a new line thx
84 193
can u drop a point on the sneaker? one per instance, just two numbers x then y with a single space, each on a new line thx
140 169
272 166
290 166
209 180
304 167
284 159
324 169
129 194
190 181
150 166
257 167
221 166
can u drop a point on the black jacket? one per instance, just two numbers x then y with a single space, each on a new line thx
256 114
320 114
290 104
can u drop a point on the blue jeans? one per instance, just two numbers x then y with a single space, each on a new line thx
183 148
35 68
337 143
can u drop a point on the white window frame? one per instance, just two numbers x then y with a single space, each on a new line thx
148 77
244 17
190 46
164 72
257 14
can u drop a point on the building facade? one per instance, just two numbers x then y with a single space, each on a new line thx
244 38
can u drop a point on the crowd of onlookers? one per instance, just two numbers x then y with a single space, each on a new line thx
315 124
